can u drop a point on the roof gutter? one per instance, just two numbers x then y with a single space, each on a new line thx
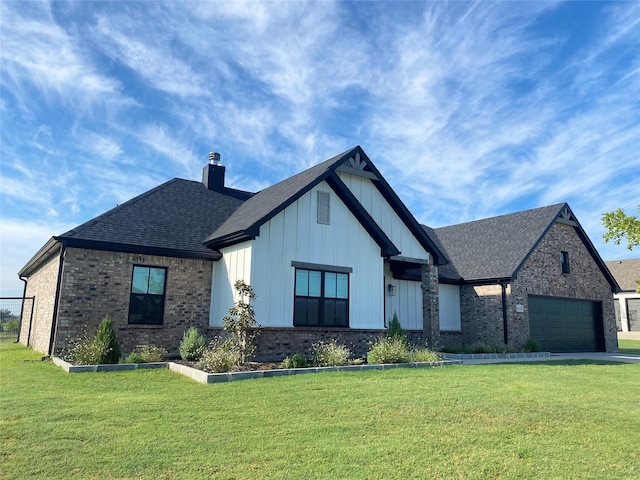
505 330
54 319
24 295
40 257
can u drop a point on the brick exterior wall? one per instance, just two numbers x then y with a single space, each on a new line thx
41 285
430 304
274 344
98 283
541 274
481 317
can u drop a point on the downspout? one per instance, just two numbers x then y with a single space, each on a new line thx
504 313
54 320
24 295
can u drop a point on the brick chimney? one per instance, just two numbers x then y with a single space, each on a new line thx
213 173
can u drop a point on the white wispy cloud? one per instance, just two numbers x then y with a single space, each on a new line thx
37 53
158 138
149 52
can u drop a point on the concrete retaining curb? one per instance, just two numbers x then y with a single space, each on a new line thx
69 368
491 356
203 377
206 378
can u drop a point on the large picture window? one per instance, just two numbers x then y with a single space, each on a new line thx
321 299
146 303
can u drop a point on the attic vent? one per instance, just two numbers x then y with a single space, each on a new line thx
323 208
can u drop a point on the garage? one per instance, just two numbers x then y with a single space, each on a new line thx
566 324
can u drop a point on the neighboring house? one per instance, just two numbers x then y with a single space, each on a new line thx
331 252
627 301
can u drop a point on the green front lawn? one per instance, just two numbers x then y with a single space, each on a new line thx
536 420
629 346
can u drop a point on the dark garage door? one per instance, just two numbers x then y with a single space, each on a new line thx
566 324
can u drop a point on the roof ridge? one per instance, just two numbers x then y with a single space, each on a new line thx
520 212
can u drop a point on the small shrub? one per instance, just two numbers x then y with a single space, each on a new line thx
192 345
100 349
146 354
531 345
151 353
220 357
330 354
84 351
297 360
479 347
106 339
424 355
503 349
389 350
395 330
134 357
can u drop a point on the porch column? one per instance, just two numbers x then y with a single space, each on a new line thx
430 304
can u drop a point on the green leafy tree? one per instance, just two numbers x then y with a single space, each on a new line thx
241 323
6 315
620 225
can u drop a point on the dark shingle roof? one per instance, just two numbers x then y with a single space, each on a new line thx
246 220
175 216
626 272
492 248
255 211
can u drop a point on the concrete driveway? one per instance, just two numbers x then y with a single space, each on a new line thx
608 357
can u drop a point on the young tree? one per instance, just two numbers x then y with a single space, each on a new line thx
241 323
619 226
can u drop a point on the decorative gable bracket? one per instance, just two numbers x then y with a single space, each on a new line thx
356 165
566 216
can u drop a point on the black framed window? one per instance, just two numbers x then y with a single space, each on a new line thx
146 303
564 261
321 299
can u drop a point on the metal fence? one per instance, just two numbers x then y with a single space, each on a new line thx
12 312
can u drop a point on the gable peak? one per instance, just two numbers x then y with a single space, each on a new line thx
566 216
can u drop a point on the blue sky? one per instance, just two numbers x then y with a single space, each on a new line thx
469 109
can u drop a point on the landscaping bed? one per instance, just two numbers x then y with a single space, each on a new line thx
242 372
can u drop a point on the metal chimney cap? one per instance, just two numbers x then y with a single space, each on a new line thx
214 158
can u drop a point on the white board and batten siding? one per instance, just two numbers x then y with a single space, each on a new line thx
294 235
385 216
406 303
449 300
234 265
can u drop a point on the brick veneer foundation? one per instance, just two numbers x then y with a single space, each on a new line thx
274 344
